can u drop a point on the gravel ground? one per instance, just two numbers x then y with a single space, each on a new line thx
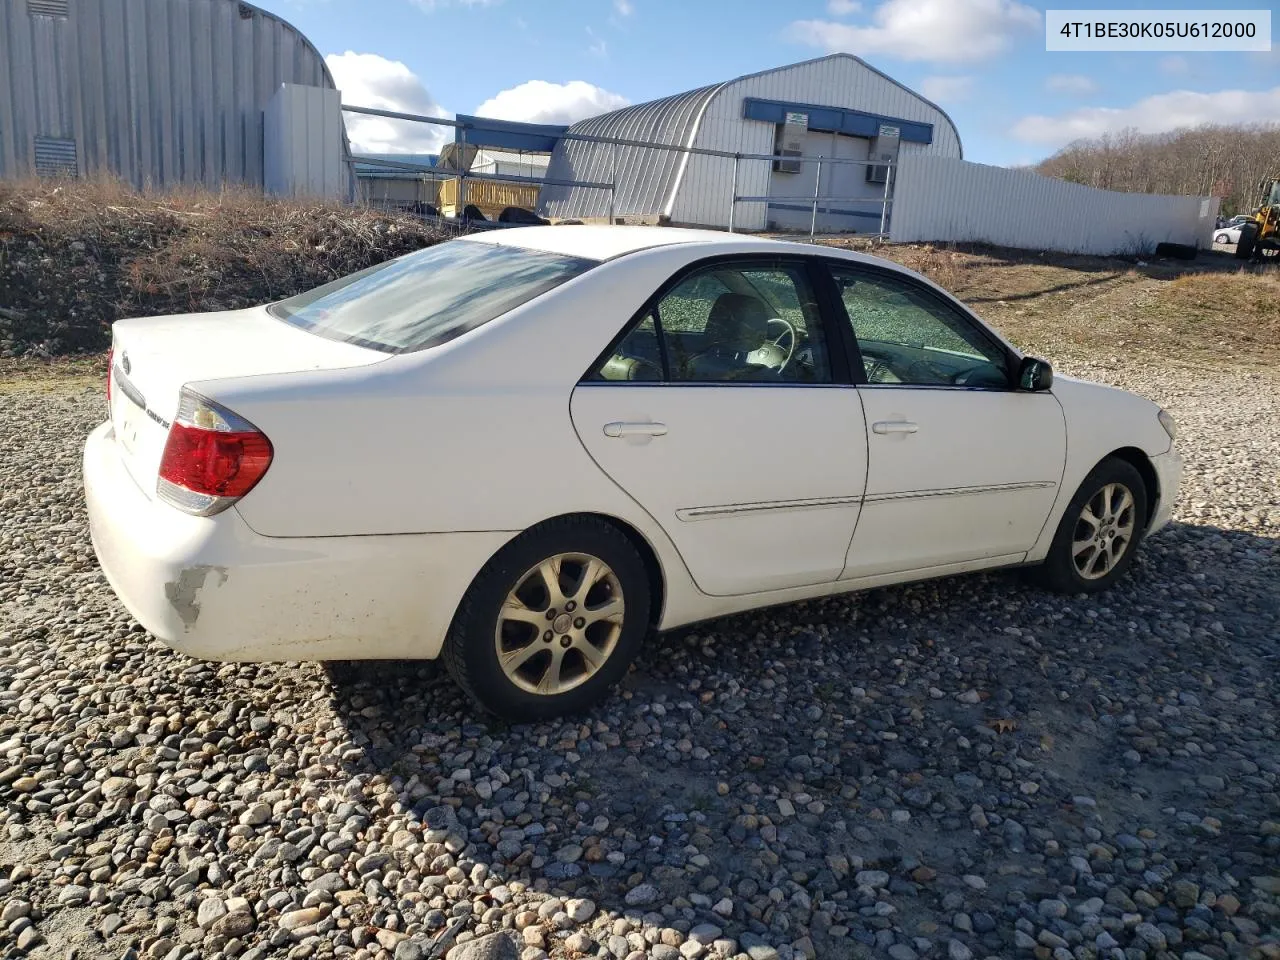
965 768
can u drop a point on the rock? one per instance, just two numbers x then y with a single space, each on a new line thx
1152 935
210 911
580 911
114 787
871 878
414 949
494 946
256 815
641 895
302 918
1186 894
958 951
1267 884
29 939
1052 909
705 933
233 925
14 910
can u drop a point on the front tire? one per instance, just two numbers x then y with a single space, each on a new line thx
1099 533
552 621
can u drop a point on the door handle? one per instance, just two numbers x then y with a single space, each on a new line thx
894 426
648 429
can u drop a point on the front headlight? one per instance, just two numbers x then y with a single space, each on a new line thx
1166 421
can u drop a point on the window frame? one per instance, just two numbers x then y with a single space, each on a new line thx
1012 357
822 286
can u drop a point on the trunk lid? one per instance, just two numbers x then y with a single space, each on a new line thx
155 356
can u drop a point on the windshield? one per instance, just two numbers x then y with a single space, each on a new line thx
426 298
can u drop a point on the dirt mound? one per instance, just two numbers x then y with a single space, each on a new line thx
76 256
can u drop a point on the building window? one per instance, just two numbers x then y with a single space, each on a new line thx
56 157
48 8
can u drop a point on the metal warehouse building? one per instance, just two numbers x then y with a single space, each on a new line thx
833 107
161 92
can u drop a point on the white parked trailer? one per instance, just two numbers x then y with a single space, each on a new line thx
835 106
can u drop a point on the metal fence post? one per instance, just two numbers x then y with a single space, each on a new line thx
461 203
733 194
817 182
884 204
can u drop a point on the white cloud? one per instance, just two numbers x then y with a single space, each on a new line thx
1157 114
842 8
597 47
537 101
368 80
946 89
940 31
624 7
1071 84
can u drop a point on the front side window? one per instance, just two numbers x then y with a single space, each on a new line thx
427 298
728 323
908 337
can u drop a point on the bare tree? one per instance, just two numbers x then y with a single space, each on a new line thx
1223 161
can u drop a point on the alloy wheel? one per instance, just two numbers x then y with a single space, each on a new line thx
1104 531
560 623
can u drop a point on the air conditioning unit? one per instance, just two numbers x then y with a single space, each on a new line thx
884 151
790 143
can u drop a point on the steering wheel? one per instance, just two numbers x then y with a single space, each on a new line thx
772 353
876 365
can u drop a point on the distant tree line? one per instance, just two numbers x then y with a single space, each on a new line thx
1212 160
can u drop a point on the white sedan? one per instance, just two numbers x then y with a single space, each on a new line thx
526 450
1228 234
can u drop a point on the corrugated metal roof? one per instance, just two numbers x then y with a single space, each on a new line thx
645 179
157 91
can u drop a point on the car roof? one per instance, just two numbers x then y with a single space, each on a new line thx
605 242
597 241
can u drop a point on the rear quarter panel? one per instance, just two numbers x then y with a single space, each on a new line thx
1100 421
474 435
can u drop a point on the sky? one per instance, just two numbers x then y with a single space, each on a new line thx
558 61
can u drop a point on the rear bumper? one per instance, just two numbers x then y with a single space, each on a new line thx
212 588
1168 467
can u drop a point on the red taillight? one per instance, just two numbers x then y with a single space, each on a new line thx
213 463
212 457
111 358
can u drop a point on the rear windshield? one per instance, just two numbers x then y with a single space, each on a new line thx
426 298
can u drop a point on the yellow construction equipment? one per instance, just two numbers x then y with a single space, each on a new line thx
1260 237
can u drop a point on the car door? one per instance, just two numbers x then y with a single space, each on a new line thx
961 465
720 413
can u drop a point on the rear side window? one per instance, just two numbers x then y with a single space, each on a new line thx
429 297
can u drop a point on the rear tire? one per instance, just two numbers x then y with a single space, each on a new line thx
1248 240
552 622
1099 533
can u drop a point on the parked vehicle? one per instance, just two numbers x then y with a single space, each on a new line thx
523 451
1259 238
1228 234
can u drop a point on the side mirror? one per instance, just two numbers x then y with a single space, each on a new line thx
1035 375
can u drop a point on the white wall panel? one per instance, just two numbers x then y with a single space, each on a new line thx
302 143
943 199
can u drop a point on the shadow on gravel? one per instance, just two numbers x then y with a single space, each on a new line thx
751 767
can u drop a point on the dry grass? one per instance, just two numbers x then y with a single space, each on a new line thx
75 256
